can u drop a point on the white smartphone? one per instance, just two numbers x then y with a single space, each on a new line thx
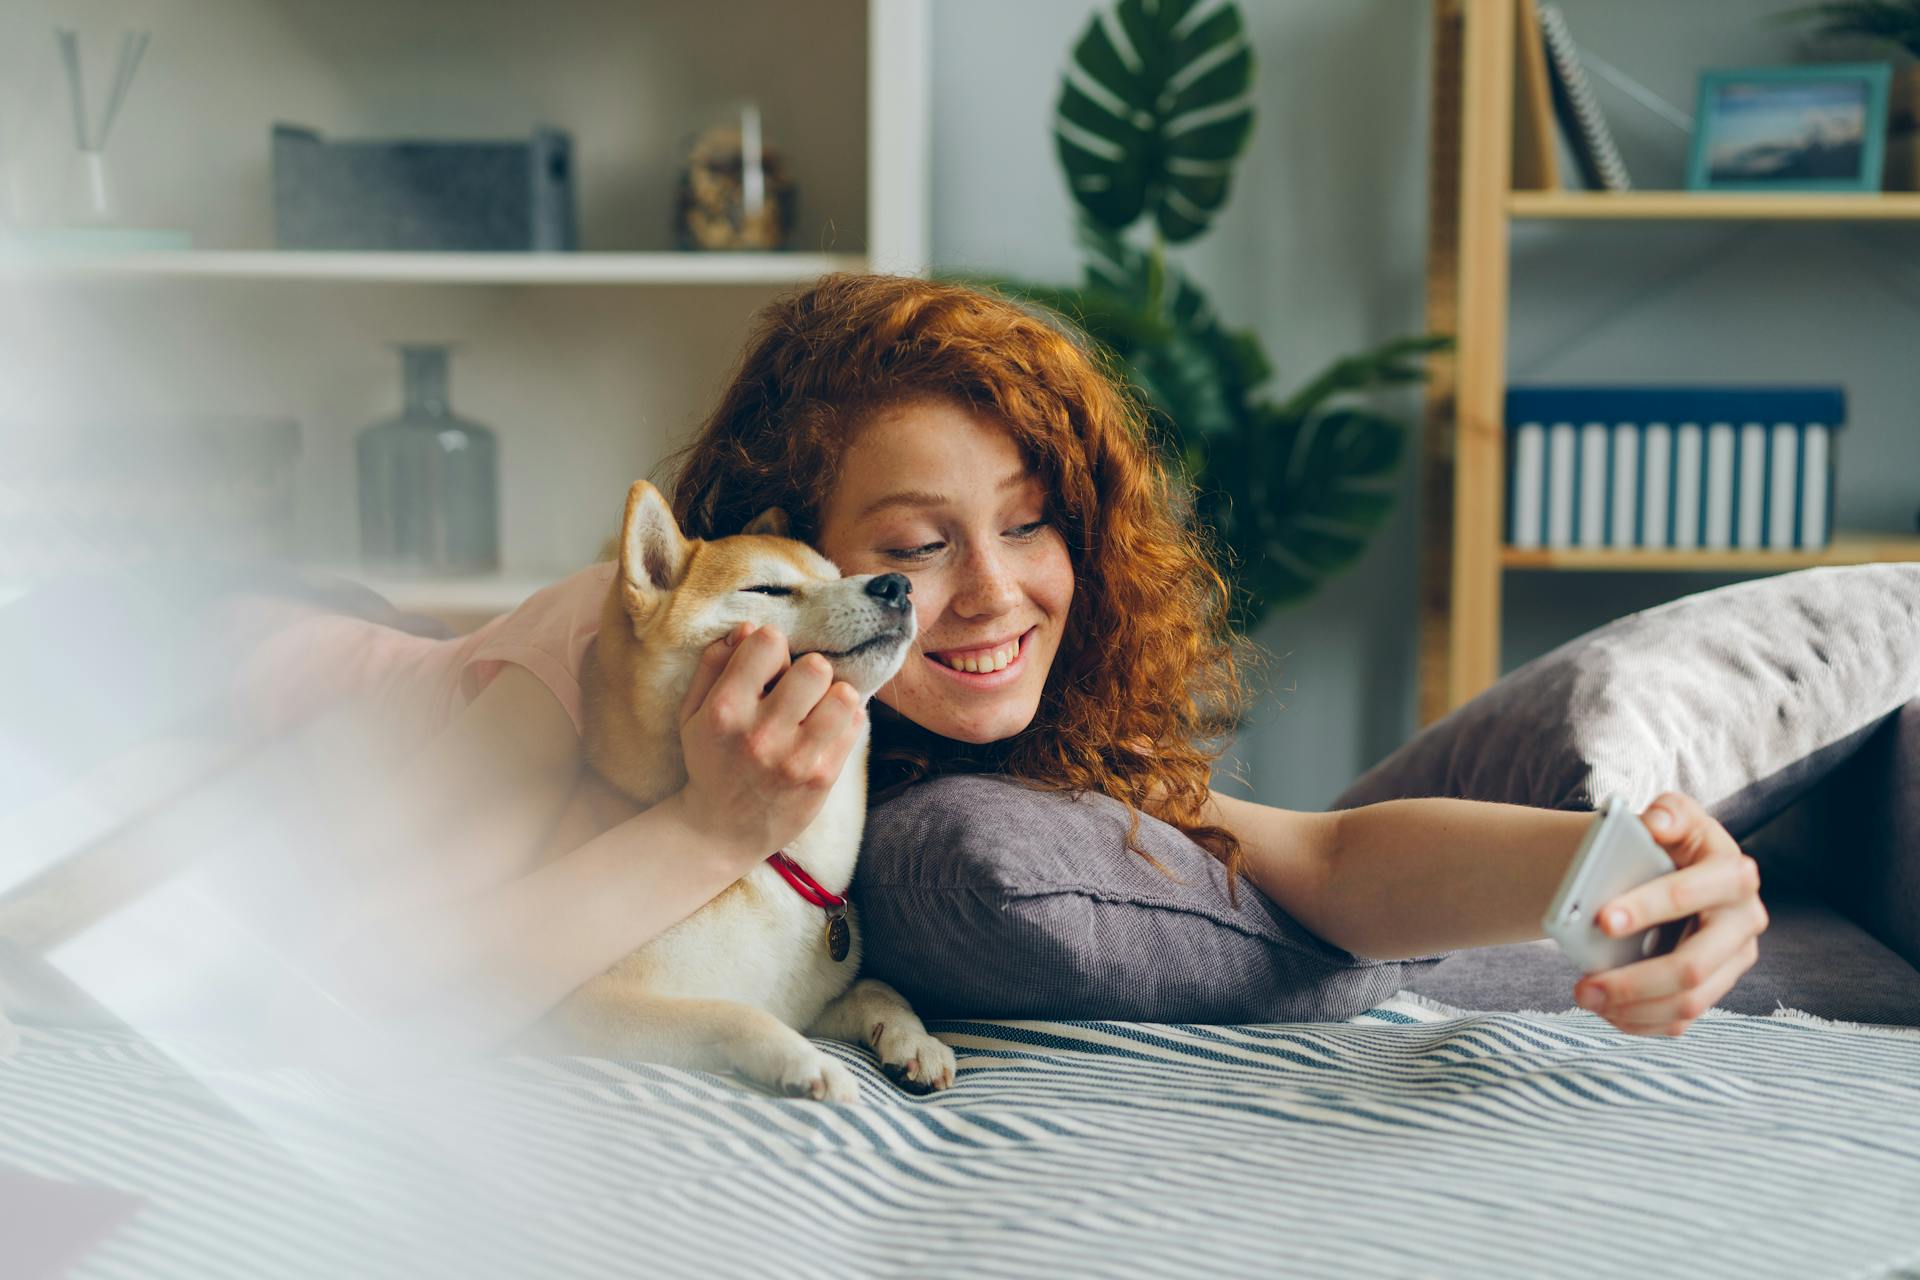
1617 854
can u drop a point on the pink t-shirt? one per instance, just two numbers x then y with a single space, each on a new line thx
310 658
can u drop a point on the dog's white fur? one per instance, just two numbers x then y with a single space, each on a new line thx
728 986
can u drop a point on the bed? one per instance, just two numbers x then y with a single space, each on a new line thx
1413 1139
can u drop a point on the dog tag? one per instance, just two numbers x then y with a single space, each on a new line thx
839 937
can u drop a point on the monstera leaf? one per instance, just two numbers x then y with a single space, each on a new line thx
1296 500
1153 120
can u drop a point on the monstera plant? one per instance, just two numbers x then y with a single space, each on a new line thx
1153 111
1895 21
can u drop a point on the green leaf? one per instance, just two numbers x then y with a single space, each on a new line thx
1152 122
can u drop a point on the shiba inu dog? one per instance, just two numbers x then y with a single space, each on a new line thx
734 984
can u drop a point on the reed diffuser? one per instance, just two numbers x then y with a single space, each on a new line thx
90 195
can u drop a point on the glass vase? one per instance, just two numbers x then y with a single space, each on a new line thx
429 481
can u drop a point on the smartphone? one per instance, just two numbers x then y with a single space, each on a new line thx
1617 854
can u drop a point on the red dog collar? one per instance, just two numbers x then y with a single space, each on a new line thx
838 936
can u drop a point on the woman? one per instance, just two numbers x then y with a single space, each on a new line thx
1071 633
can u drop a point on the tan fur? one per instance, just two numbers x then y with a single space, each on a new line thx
732 985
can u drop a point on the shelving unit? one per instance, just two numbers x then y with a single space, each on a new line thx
439 268
590 365
1472 205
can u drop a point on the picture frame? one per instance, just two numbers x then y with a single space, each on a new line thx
1819 127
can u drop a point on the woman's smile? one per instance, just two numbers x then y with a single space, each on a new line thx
984 667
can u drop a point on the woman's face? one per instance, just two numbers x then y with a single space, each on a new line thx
931 491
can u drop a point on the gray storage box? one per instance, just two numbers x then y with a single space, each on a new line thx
477 195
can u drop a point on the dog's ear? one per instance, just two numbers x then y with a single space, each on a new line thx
772 522
653 555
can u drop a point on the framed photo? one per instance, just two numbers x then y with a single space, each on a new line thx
1820 127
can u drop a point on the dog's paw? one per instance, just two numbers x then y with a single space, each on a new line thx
913 1059
820 1078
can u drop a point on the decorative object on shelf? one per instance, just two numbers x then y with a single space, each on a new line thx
1291 491
1672 466
93 494
92 211
429 481
1581 119
90 198
735 192
1810 128
498 196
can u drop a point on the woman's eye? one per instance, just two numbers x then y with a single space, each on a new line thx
914 553
770 591
1028 530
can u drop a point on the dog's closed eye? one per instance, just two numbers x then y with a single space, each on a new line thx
770 591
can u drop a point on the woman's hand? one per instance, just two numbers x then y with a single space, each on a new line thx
764 738
1719 887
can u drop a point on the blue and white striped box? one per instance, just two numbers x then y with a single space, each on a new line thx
1683 467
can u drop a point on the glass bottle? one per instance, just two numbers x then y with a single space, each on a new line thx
429 481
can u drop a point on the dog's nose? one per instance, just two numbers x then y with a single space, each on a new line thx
891 590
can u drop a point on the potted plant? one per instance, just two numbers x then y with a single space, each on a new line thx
1291 488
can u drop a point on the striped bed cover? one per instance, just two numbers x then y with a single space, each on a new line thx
1411 1140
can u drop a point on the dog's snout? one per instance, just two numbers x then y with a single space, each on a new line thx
891 589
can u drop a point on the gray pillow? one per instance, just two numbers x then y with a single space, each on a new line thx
980 897
1868 811
1742 697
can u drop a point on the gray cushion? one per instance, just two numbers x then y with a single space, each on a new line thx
1812 958
1742 697
979 897
1855 839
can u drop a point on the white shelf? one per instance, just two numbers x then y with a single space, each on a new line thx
465 594
689 268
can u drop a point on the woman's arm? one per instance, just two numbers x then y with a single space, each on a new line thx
1408 878
466 975
473 810
1405 878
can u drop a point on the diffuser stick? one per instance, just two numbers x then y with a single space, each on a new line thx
132 46
70 53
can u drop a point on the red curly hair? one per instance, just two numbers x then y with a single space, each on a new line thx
1146 663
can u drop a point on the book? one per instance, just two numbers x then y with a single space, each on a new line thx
1624 516
1687 471
1527 483
1593 484
1560 460
1783 485
1816 483
1655 491
1716 531
1581 119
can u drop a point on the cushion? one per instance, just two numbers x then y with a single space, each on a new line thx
981 897
1742 697
1855 839
1812 958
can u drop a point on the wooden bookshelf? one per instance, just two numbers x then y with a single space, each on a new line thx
1668 206
1845 548
1492 166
